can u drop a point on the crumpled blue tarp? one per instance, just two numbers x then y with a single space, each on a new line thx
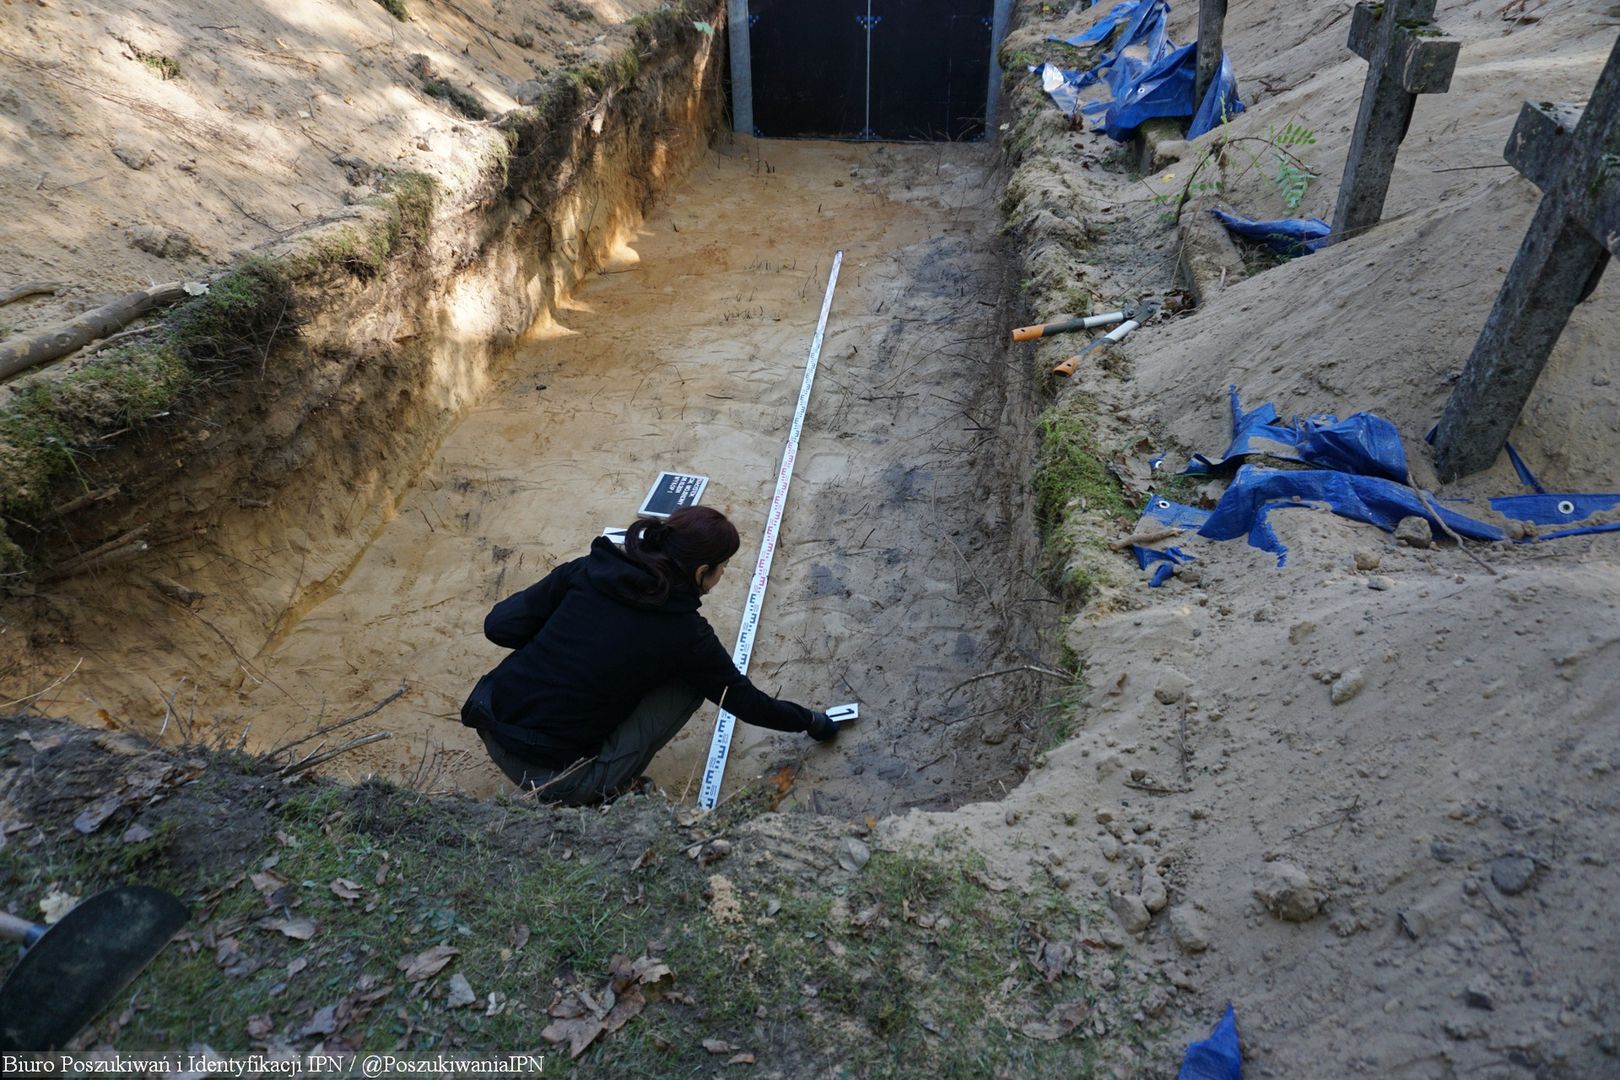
1102 27
1143 23
1165 89
1256 491
1553 509
1364 443
1285 236
1158 83
1218 1057
1220 100
1175 515
1549 508
1167 560
1362 476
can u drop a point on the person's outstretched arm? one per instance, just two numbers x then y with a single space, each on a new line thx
513 622
710 670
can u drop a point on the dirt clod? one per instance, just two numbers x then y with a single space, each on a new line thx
1288 892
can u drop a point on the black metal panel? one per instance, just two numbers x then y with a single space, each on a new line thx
930 68
809 67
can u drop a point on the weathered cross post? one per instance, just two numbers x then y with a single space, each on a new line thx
1573 155
1406 55
1211 20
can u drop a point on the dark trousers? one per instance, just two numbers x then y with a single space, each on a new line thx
624 755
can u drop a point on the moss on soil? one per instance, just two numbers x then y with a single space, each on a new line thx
51 428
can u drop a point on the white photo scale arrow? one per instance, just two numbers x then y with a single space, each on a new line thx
725 723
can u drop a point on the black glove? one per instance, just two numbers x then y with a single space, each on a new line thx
822 728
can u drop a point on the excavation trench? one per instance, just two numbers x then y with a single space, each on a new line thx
903 565
905 570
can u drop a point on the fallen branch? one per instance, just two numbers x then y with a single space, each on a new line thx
1143 538
1423 496
121 547
318 732
30 350
342 748
122 337
76 504
32 288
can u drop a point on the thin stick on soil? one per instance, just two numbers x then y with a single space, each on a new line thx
47 690
1061 676
1341 815
316 759
318 732
1142 538
32 288
1181 741
1447 529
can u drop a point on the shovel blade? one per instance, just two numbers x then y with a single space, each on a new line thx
83 963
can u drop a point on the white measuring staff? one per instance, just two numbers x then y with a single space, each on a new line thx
720 744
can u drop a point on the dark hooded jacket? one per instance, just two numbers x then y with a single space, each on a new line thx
588 644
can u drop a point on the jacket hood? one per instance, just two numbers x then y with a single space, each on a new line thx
612 574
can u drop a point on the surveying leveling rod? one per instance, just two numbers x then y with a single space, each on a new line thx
720 744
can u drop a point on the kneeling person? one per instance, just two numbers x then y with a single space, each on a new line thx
611 657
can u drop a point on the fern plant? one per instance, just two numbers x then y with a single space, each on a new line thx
1291 175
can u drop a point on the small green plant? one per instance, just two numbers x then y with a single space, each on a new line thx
396 8
1290 174
167 67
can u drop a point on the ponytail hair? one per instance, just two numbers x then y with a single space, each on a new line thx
673 550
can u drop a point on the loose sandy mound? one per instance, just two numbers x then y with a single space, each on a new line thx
1380 801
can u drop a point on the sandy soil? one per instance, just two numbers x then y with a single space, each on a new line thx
687 354
1444 841
116 176
1414 879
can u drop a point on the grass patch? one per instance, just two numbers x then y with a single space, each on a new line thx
590 79
396 8
365 248
165 67
435 85
1071 473
914 966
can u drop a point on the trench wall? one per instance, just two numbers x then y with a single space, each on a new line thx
388 320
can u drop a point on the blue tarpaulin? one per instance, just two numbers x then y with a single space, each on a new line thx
1102 27
1216 1058
1158 83
1256 491
1364 443
1165 89
1285 236
1361 475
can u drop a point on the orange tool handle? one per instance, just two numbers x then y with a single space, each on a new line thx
1067 367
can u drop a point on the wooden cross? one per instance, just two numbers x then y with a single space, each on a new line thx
1573 155
1211 19
1406 55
